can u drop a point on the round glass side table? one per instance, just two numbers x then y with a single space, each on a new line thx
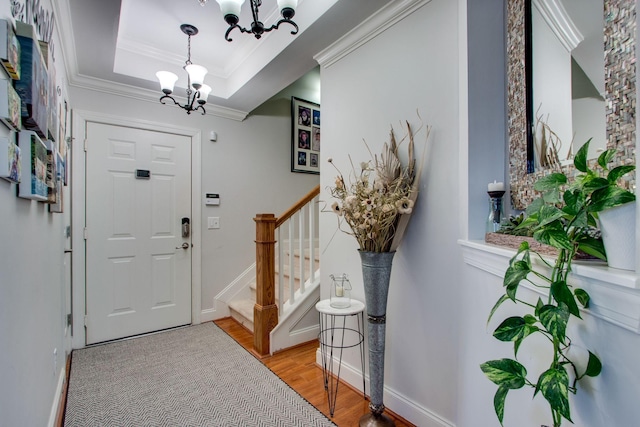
335 336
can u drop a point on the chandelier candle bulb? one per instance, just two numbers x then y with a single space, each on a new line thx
196 75
230 7
287 4
204 90
167 81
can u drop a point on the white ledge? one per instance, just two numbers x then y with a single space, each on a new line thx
615 294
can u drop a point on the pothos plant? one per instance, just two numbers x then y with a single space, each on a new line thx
563 217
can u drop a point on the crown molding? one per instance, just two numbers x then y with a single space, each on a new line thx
560 23
139 94
67 45
160 55
376 24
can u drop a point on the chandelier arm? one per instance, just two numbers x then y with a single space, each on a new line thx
190 101
201 107
171 98
231 28
283 21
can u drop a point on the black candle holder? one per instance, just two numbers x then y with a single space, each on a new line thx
495 212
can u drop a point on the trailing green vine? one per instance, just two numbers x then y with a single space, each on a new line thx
563 217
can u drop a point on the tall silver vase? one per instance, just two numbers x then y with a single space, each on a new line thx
376 271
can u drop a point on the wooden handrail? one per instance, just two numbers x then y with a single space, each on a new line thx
265 311
299 204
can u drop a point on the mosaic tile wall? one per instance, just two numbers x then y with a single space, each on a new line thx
620 86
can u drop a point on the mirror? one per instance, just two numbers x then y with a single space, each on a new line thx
616 92
567 67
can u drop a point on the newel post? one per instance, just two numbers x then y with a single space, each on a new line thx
265 312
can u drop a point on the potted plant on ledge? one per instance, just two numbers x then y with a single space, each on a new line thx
563 217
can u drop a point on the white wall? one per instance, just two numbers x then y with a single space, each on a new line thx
248 165
410 66
587 120
607 400
32 296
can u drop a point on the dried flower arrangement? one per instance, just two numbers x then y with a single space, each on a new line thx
377 208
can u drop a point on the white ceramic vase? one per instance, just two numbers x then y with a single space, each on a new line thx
618 226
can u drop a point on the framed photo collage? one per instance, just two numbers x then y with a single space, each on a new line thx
305 136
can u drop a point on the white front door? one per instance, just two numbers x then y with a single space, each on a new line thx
138 264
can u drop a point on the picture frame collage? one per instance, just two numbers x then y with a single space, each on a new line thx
35 153
305 136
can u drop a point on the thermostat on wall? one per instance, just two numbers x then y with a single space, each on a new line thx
212 199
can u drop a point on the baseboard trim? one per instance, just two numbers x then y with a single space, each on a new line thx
208 315
56 417
394 401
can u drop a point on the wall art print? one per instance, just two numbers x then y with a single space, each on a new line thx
34 159
305 136
33 86
9 159
10 108
9 49
57 205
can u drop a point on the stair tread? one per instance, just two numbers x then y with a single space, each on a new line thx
243 306
242 311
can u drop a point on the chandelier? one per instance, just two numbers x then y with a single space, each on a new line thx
231 12
196 89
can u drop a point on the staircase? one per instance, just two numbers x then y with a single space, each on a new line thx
278 306
242 309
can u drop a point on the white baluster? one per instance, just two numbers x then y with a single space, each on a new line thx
291 254
301 235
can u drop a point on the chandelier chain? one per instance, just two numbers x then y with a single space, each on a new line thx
188 61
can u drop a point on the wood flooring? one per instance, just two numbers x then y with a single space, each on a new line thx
297 367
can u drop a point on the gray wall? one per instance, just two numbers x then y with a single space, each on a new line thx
412 66
33 296
248 165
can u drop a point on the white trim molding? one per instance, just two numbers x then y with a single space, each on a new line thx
147 95
78 214
55 406
615 294
377 23
560 23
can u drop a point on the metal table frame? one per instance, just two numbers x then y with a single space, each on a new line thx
336 336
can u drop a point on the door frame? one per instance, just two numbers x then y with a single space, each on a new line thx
80 118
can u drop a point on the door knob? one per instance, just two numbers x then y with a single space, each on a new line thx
185 245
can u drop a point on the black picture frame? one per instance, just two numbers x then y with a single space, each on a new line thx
305 136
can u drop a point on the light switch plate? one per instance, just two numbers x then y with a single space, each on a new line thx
213 222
